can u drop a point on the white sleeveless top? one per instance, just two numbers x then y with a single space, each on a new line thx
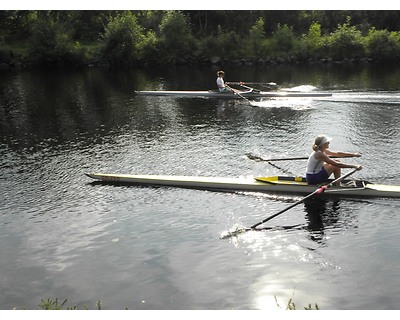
314 165
220 84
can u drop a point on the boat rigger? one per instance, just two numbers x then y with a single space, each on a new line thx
272 184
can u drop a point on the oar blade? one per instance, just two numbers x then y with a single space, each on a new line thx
233 232
254 157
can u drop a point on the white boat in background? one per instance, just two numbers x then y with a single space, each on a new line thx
239 94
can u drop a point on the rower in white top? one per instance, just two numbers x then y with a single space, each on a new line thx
320 164
221 83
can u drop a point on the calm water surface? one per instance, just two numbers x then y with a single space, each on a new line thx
158 248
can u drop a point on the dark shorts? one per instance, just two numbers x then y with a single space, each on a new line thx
317 178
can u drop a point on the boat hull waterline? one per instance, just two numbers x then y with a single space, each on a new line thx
247 94
275 185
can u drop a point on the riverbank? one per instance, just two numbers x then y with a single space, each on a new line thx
123 39
19 59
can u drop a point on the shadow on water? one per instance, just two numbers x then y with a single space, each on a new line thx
324 214
318 217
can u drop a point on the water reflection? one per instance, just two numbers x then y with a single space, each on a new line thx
319 217
324 214
54 127
39 106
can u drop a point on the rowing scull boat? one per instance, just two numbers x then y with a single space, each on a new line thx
227 95
273 184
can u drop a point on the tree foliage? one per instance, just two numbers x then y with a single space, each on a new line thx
312 44
258 38
121 39
155 36
175 35
283 39
51 43
383 45
346 42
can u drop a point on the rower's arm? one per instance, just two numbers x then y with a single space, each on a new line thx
339 164
341 154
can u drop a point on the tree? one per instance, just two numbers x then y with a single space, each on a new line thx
383 45
121 39
257 37
312 44
283 39
175 35
346 42
51 44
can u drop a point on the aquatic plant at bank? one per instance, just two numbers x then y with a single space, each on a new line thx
55 304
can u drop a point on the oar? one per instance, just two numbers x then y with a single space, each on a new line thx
247 87
258 158
317 191
272 84
238 93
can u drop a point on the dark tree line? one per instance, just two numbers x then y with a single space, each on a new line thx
137 37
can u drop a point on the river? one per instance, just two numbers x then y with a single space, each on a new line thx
158 248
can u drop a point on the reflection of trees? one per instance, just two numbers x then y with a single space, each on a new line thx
37 107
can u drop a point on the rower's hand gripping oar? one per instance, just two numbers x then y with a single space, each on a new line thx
316 192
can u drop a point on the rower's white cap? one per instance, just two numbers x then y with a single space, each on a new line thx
322 139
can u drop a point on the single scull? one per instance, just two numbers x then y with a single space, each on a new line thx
274 184
249 94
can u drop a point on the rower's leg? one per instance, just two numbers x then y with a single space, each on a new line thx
332 169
